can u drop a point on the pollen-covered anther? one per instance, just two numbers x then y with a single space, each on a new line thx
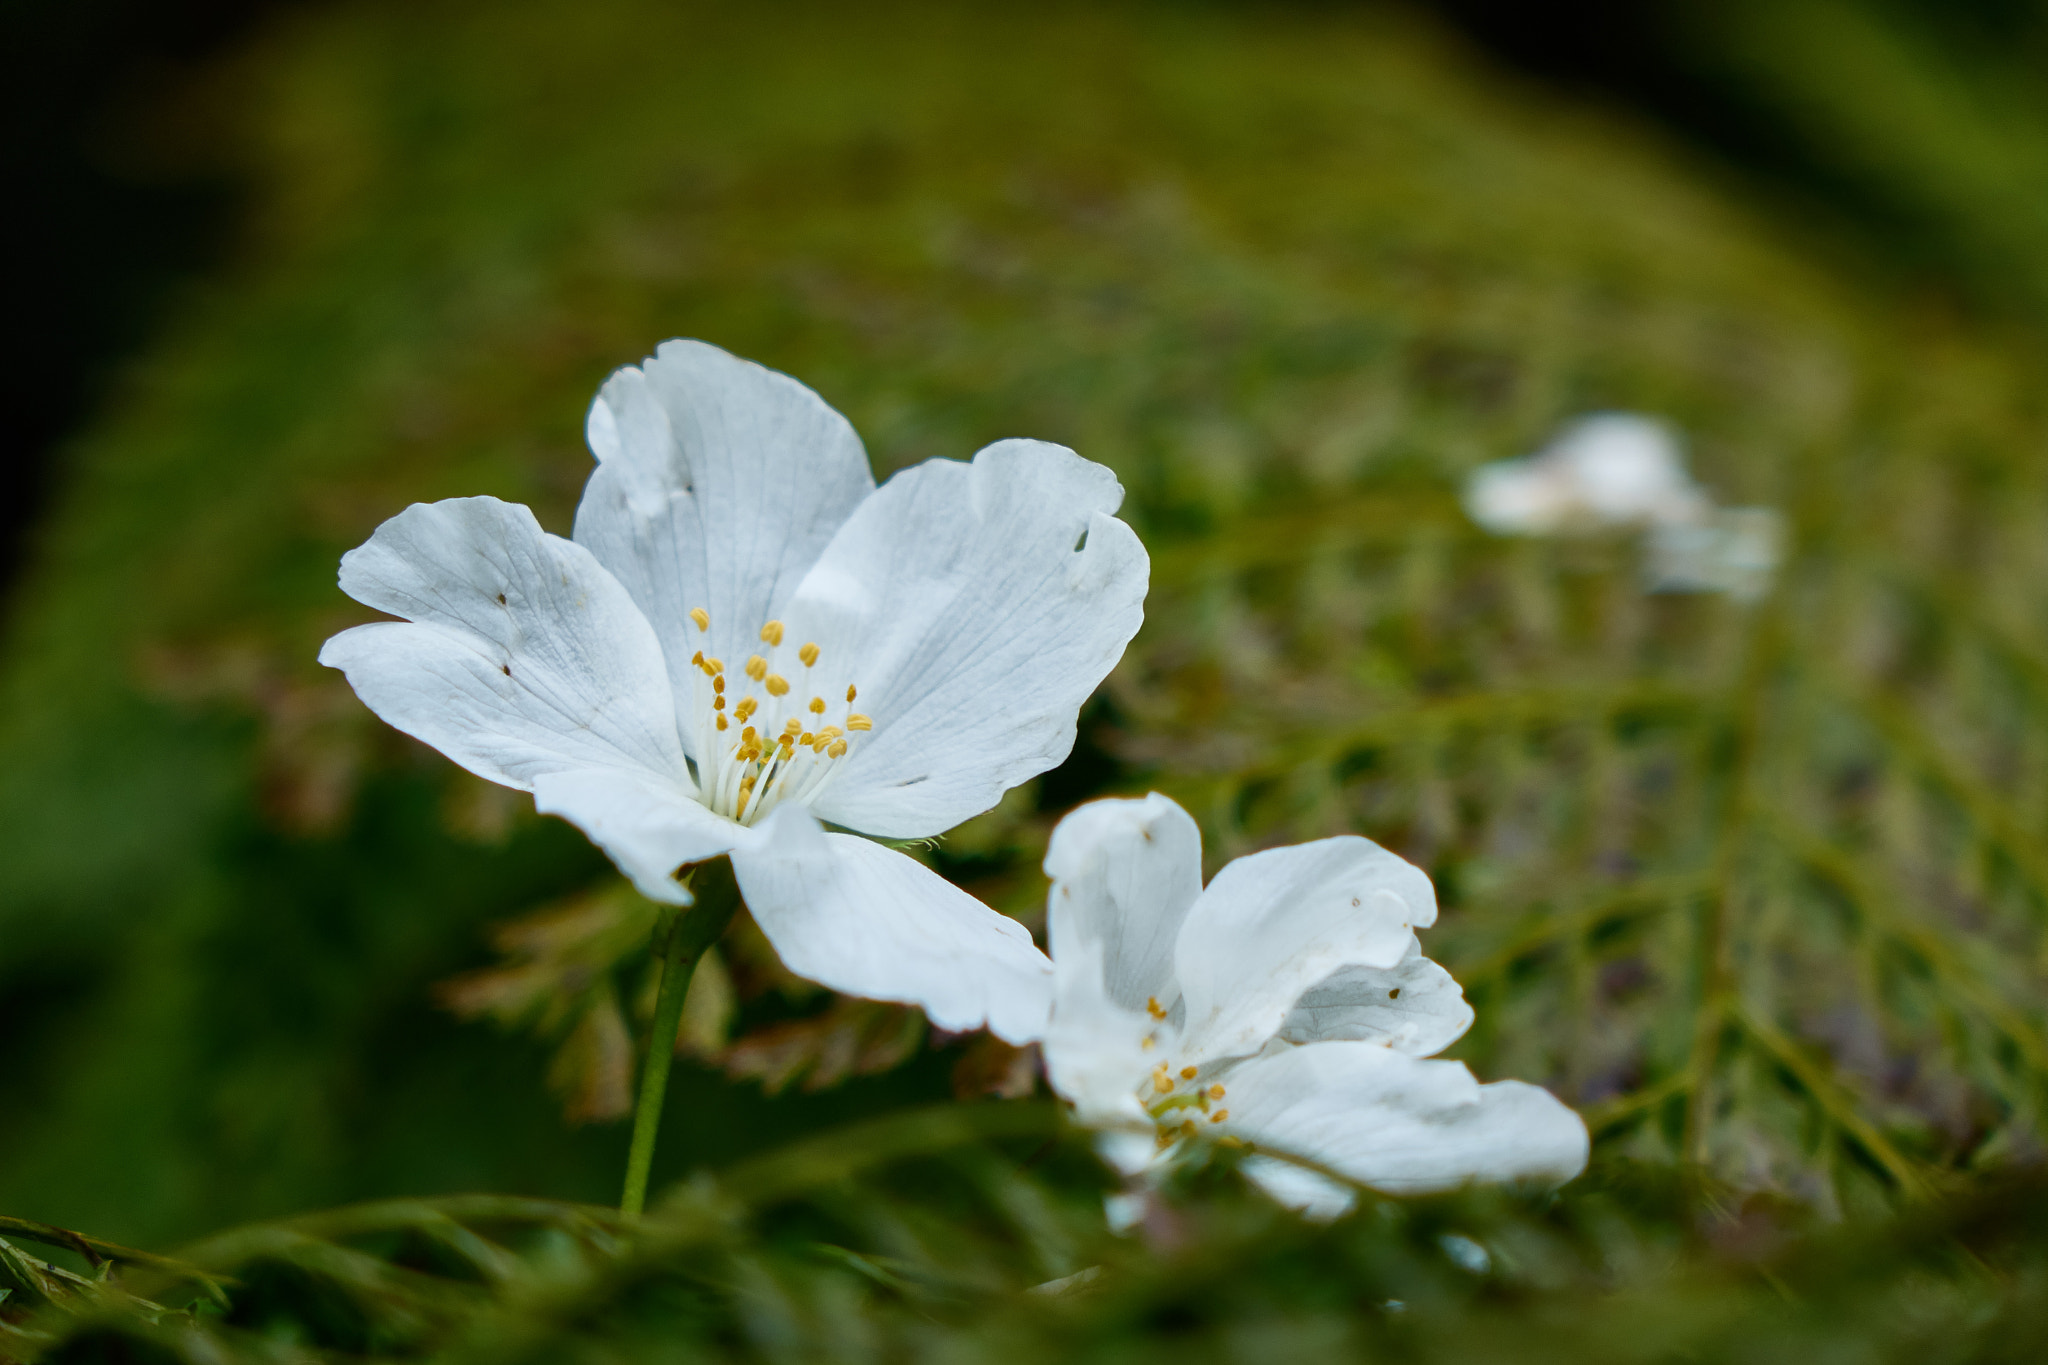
747 707
777 685
757 668
857 721
851 693
806 739
809 654
1154 1008
772 633
838 749
817 706
721 722
792 726
701 617
718 702
1219 1116
1162 1082
718 683
1215 1092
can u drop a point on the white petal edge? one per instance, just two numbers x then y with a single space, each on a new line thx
719 483
647 825
1401 1124
1413 1007
866 920
1124 875
1274 924
520 655
976 606
1092 1046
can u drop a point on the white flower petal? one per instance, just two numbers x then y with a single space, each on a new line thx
1414 1007
1401 1124
1092 1045
718 485
978 605
1124 875
867 920
1276 923
522 657
1313 1196
646 824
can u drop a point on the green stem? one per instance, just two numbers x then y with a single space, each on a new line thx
683 938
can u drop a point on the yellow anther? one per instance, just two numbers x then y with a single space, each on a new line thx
809 654
757 668
698 658
1161 1081
747 782
838 749
718 683
721 722
1148 1044
1154 1008
1215 1092
1189 1127
1219 1116
851 693
792 726
857 721
714 666
747 707
772 633
777 685
701 617
1187 1073
817 706
750 734
1226 1140
718 702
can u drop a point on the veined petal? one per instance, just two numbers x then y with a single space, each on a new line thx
1401 1124
1276 923
867 920
520 655
718 485
978 605
1124 875
647 824
1413 1007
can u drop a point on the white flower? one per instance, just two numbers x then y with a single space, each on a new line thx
1288 1008
745 638
1611 469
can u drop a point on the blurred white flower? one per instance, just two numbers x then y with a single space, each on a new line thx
1618 470
747 637
1612 469
1286 1008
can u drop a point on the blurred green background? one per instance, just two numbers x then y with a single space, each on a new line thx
1760 888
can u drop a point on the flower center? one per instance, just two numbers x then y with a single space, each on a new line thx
1174 1096
761 739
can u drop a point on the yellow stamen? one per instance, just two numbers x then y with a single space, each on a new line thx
1187 1073
1154 1008
1226 1140
718 702
809 654
1148 1044
757 668
714 666
1215 1092
697 659
747 707
1161 1081
1219 1116
851 692
792 726
750 734
701 617
721 722
772 633
817 706
718 683
777 685
857 721
1189 1127
838 749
